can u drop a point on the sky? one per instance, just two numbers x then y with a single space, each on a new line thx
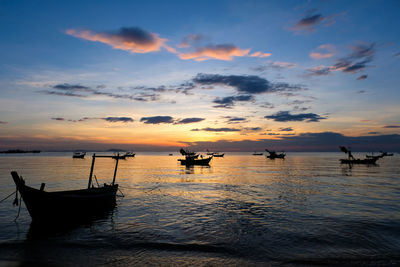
218 75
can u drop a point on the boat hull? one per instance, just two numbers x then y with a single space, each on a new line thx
192 161
66 206
282 156
359 161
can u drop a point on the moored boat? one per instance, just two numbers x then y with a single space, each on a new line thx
195 161
352 160
275 155
68 206
78 155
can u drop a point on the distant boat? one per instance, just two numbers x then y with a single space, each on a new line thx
118 156
275 155
129 154
383 154
257 153
218 155
194 161
209 153
352 160
68 206
79 155
170 154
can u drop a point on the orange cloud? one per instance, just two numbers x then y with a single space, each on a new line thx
221 52
134 40
261 55
329 52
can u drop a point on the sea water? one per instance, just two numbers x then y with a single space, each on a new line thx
241 210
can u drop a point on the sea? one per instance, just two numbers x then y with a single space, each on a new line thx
242 210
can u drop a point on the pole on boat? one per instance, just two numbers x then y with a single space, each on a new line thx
115 170
91 170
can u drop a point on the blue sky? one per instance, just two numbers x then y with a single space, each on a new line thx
89 73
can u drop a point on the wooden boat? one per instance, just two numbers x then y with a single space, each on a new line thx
194 161
218 155
78 155
68 206
257 154
275 155
352 160
129 155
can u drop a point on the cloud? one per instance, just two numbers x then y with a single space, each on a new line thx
391 126
3 122
188 40
374 133
132 39
48 92
249 84
71 87
308 23
287 129
235 119
277 65
157 119
397 54
362 77
118 119
283 116
189 120
58 119
357 60
329 51
208 129
221 52
229 101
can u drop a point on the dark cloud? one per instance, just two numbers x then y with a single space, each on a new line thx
191 39
361 92
229 101
71 87
157 119
287 129
284 116
48 92
253 129
208 129
118 119
235 119
373 132
397 54
326 141
249 84
391 126
362 77
189 120
58 119
308 22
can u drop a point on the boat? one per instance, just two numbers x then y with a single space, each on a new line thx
194 161
209 153
257 154
170 154
118 156
129 154
191 158
352 160
68 206
79 155
275 155
383 154
218 155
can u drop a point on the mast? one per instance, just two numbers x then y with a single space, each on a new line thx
115 170
91 171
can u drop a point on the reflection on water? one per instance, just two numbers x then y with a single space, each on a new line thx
305 209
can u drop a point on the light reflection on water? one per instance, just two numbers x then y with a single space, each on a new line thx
243 209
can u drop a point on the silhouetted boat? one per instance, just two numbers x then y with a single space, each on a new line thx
68 206
352 160
195 161
129 154
118 156
218 155
170 154
383 154
275 155
79 155
257 153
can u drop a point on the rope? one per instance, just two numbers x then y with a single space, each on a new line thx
7 196
19 209
122 194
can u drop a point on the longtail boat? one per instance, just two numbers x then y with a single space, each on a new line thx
352 160
275 155
68 206
195 161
